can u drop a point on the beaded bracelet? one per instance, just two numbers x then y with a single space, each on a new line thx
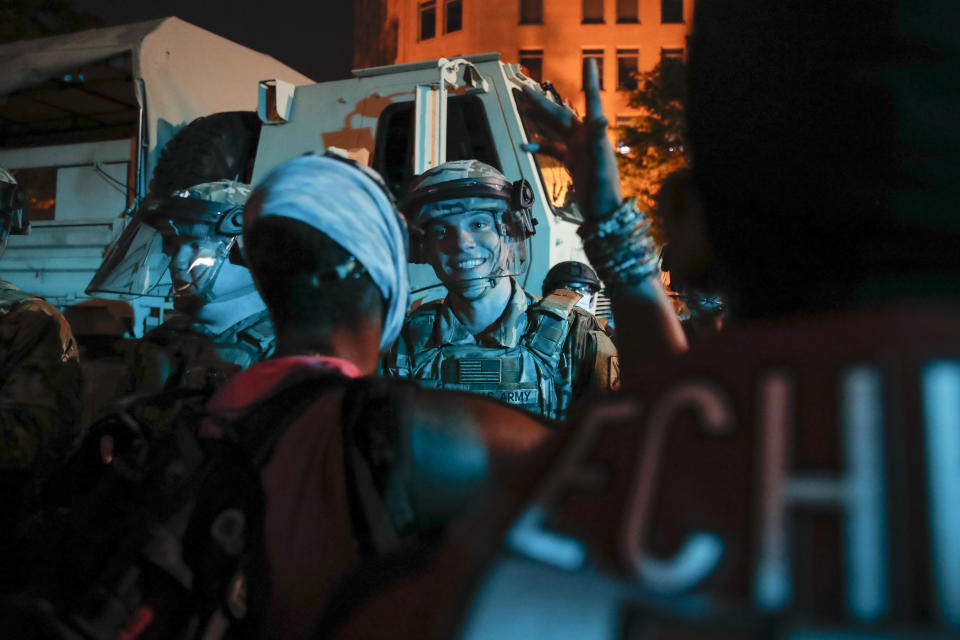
620 247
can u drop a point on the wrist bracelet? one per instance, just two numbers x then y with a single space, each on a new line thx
620 247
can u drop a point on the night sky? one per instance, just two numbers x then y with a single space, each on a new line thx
315 37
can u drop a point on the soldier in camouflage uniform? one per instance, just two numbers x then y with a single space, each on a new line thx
223 326
40 379
489 336
580 278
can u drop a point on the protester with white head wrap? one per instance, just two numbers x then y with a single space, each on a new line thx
350 204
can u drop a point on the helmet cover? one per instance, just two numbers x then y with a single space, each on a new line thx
467 186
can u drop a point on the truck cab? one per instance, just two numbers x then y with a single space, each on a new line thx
84 120
404 119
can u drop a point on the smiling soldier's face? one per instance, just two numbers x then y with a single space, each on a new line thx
464 249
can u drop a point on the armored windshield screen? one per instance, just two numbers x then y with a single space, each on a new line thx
135 265
468 138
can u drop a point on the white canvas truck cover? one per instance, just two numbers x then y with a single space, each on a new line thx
179 71
187 71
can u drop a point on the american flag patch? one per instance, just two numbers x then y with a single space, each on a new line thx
479 370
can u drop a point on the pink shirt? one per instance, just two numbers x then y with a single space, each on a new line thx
308 535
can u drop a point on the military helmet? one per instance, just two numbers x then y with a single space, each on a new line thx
204 221
467 185
217 205
13 206
570 272
462 185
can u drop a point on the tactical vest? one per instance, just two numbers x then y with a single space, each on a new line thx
199 356
536 374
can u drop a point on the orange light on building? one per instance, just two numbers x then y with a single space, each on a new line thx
551 40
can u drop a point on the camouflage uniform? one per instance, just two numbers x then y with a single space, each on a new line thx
40 380
184 354
541 356
199 227
41 386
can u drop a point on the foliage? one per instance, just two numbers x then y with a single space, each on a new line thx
24 19
657 138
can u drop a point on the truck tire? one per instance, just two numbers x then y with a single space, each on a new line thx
214 147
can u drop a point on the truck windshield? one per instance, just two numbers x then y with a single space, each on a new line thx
554 174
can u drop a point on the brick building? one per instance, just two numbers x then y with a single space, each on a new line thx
551 38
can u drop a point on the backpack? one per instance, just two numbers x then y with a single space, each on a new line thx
156 533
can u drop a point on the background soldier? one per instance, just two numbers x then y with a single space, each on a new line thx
490 336
577 277
222 325
696 282
40 380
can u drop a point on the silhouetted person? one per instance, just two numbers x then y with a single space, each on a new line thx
795 474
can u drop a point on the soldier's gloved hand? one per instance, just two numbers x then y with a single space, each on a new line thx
585 149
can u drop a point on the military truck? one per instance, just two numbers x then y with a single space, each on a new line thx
399 119
85 119
403 119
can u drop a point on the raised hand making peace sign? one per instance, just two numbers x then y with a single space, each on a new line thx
616 236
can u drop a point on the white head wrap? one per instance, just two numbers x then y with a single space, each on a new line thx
348 205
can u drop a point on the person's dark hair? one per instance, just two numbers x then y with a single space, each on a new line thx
292 264
822 149
677 205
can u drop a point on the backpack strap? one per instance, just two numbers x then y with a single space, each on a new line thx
262 426
377 461
376 453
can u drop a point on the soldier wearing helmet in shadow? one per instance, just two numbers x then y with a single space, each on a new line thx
221 325
579 278
40 379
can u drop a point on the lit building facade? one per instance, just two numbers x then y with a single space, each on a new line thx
552 39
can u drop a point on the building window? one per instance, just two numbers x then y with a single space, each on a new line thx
671 11
531 11
532 61
428 19
452 15
628 63
592 11
627 11
596 54
672 53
